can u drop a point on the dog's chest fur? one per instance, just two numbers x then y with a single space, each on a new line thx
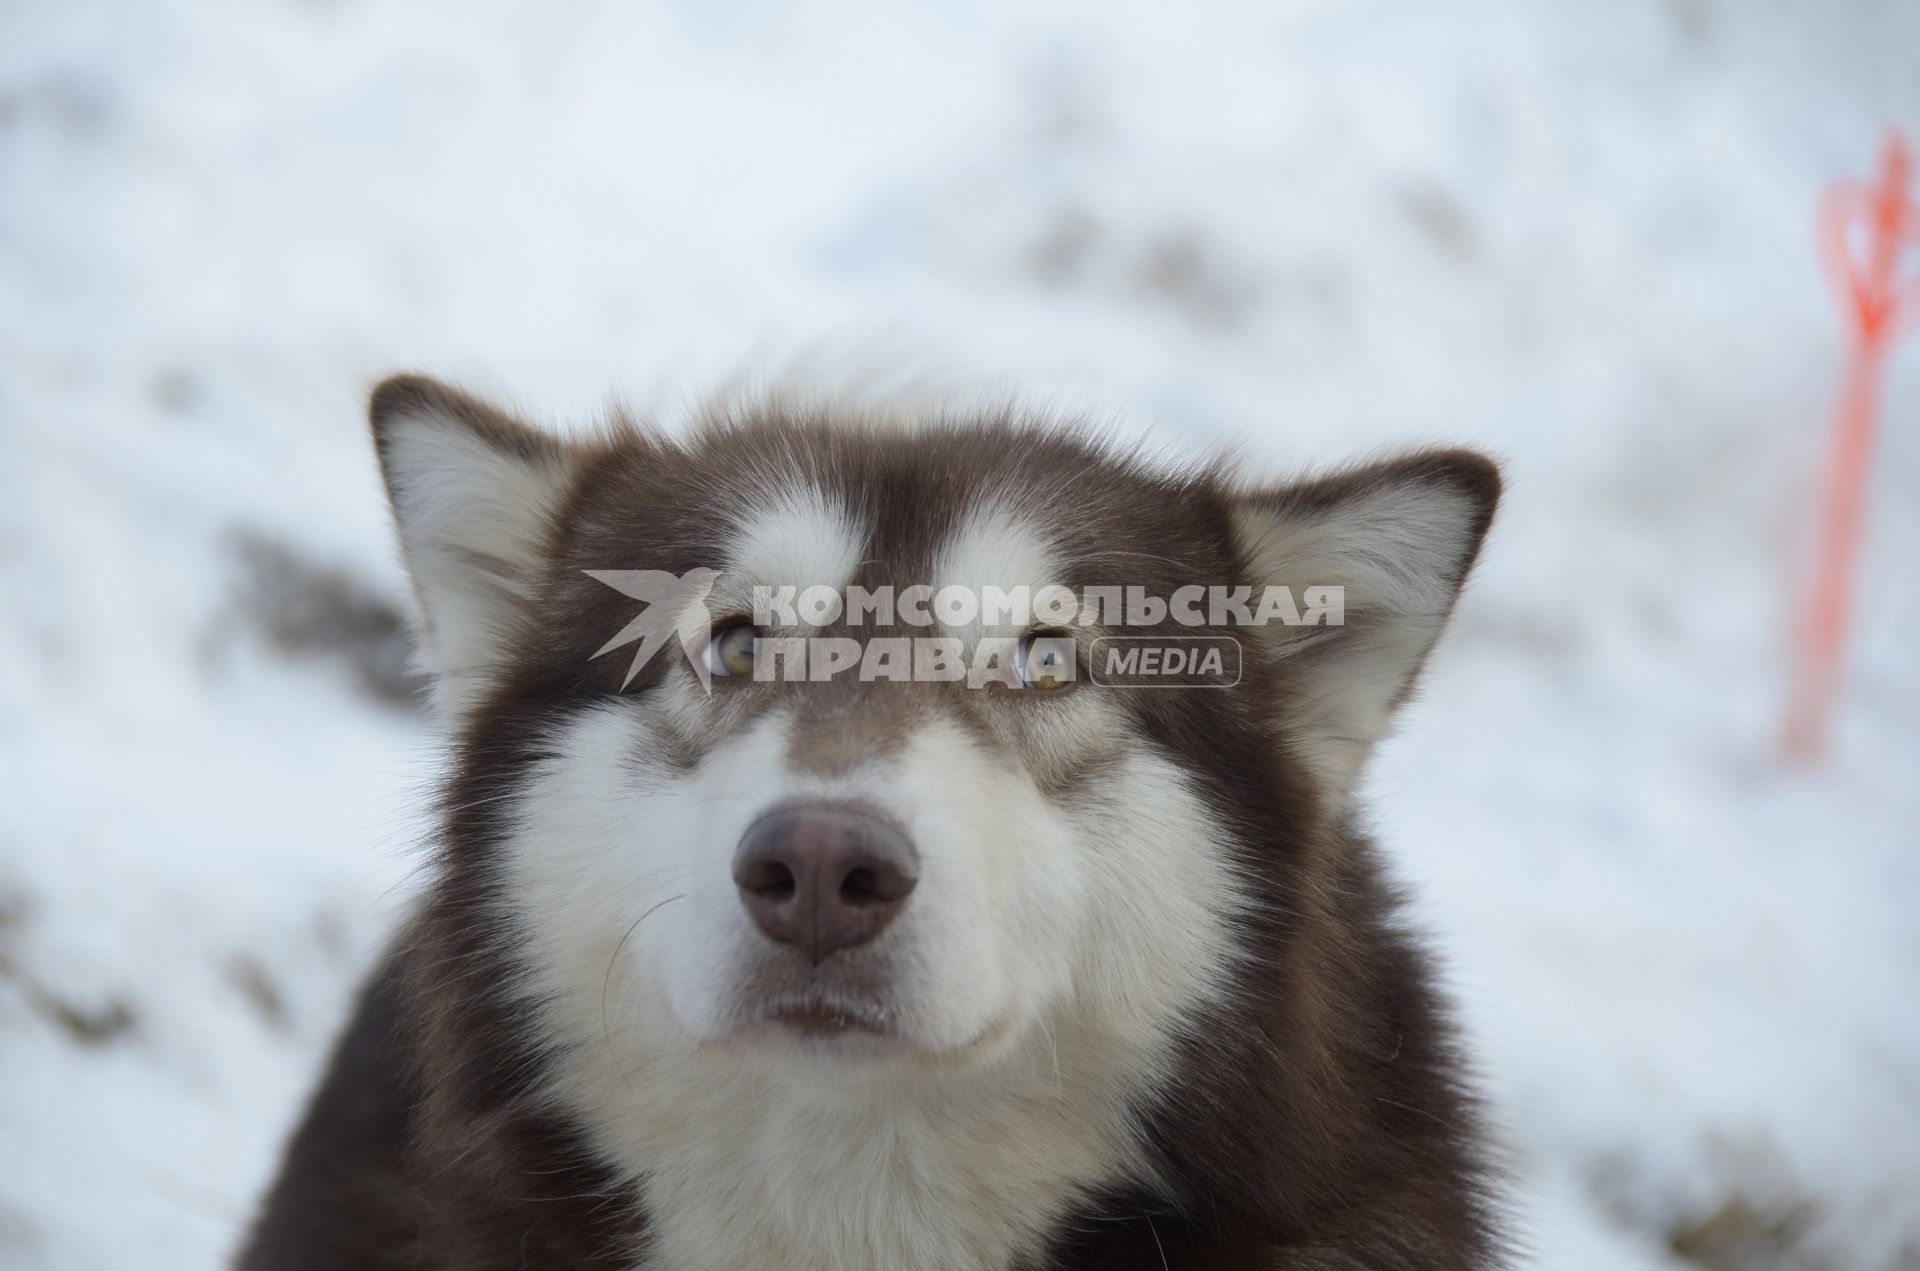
743 1182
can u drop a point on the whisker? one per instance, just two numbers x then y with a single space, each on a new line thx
606 982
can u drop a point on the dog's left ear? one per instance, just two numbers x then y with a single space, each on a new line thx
1398 538
474 496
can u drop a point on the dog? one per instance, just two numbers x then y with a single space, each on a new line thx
728 963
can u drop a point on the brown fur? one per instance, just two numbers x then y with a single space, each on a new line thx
1323 1123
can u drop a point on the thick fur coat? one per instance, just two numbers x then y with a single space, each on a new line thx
1150 1004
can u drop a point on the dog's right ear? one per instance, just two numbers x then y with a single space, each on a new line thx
474 496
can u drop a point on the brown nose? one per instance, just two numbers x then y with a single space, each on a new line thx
824 876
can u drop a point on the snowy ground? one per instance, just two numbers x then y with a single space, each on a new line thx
1577 235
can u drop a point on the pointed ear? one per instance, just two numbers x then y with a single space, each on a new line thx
474 494
1399 538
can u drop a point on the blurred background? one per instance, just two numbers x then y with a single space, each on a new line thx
1577 235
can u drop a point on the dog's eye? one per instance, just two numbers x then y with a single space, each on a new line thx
730 652
1046 660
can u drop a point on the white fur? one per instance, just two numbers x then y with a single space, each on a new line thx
1047 961
994 547
798 538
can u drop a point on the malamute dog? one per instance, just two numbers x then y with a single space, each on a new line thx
726 967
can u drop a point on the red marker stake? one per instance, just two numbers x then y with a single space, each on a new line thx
1880 223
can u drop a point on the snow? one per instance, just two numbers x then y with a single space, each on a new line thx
1578 236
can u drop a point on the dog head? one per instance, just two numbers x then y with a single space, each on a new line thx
690 848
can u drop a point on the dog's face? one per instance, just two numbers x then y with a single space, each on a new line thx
875 868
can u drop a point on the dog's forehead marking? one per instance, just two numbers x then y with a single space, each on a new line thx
995 545
799 536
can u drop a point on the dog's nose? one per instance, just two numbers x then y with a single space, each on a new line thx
824 876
